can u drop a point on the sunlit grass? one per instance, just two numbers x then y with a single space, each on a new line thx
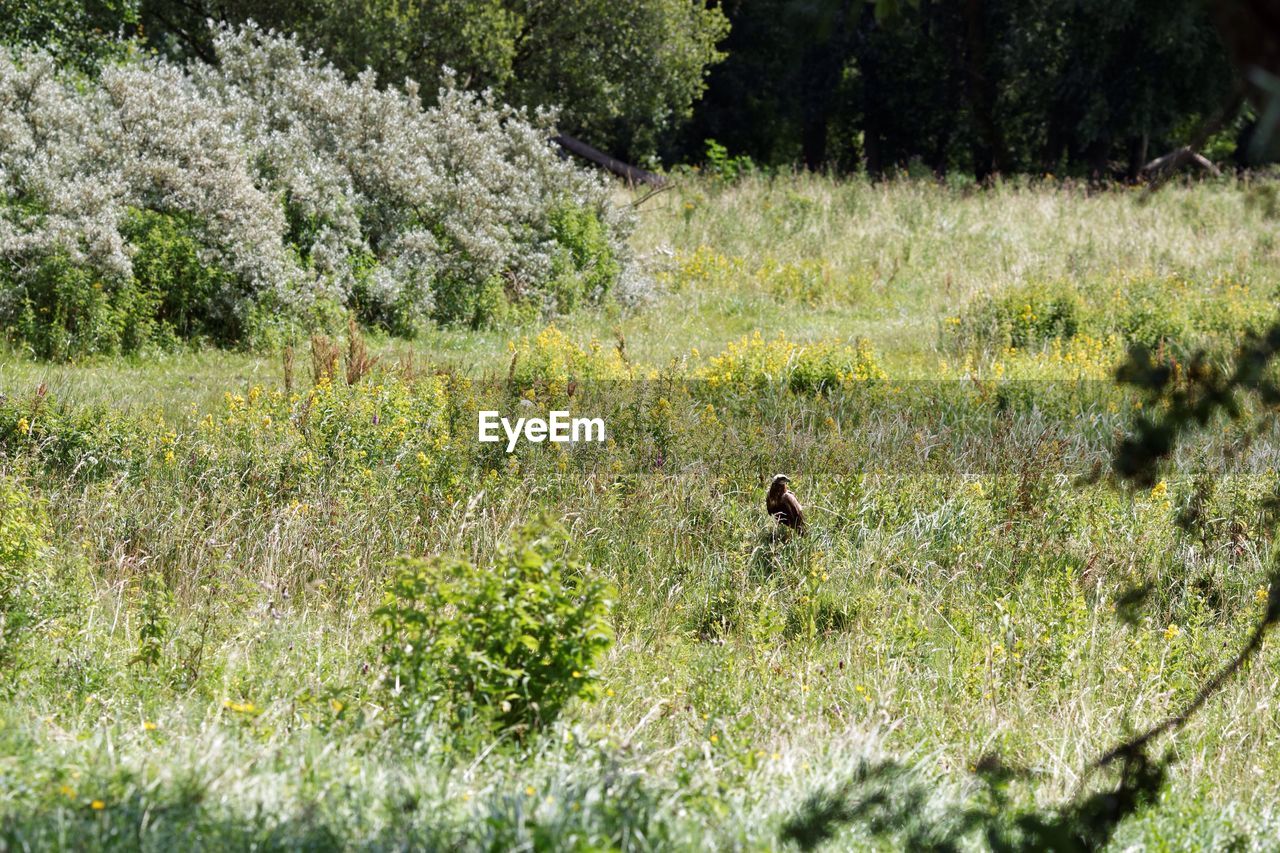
955 595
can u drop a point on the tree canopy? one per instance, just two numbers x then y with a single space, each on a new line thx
1002 85
622 71
1091 87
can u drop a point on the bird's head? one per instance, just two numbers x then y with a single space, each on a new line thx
780 480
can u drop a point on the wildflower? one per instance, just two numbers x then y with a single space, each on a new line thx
1160 491
1171 633
97 805
24 426
149 726
530 791
1260 594
67 791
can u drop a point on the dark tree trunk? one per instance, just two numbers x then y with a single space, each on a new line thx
1137 156
813 138
991 153
1097 154
820 71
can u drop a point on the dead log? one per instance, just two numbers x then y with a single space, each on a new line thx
630 174
1178 158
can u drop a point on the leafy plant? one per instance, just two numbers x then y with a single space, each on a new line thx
587 265
190 297
753 363
153 632
720 165
21 570
508 644
1027 316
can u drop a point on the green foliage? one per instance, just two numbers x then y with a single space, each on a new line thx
508 644
1029 316
720 165
585 267
192 299
23 575
1157 312
754 363
87 442
461 300
60 310
622 72
154 620
1068 87
960 580
80 34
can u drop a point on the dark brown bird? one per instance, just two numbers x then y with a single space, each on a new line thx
782 504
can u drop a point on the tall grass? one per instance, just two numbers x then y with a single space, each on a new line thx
955 595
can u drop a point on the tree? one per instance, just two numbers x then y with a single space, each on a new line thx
622 71
80 34
983 87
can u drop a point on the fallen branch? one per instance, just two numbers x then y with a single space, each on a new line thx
1180 157
1162 167
631 174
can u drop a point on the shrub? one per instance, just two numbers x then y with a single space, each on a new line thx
380 420
720 165
461 205
586 265
754 363
507 644
308 190
192 297
551 356
1155 311
58 309
21 571
1023 317
85 442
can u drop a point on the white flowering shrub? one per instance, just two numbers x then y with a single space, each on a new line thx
158 202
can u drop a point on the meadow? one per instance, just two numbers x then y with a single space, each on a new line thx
200 546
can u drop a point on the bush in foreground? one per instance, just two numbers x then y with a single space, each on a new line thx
508 644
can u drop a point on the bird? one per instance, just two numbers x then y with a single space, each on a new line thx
781 503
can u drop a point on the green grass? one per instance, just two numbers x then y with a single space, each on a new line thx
954 597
